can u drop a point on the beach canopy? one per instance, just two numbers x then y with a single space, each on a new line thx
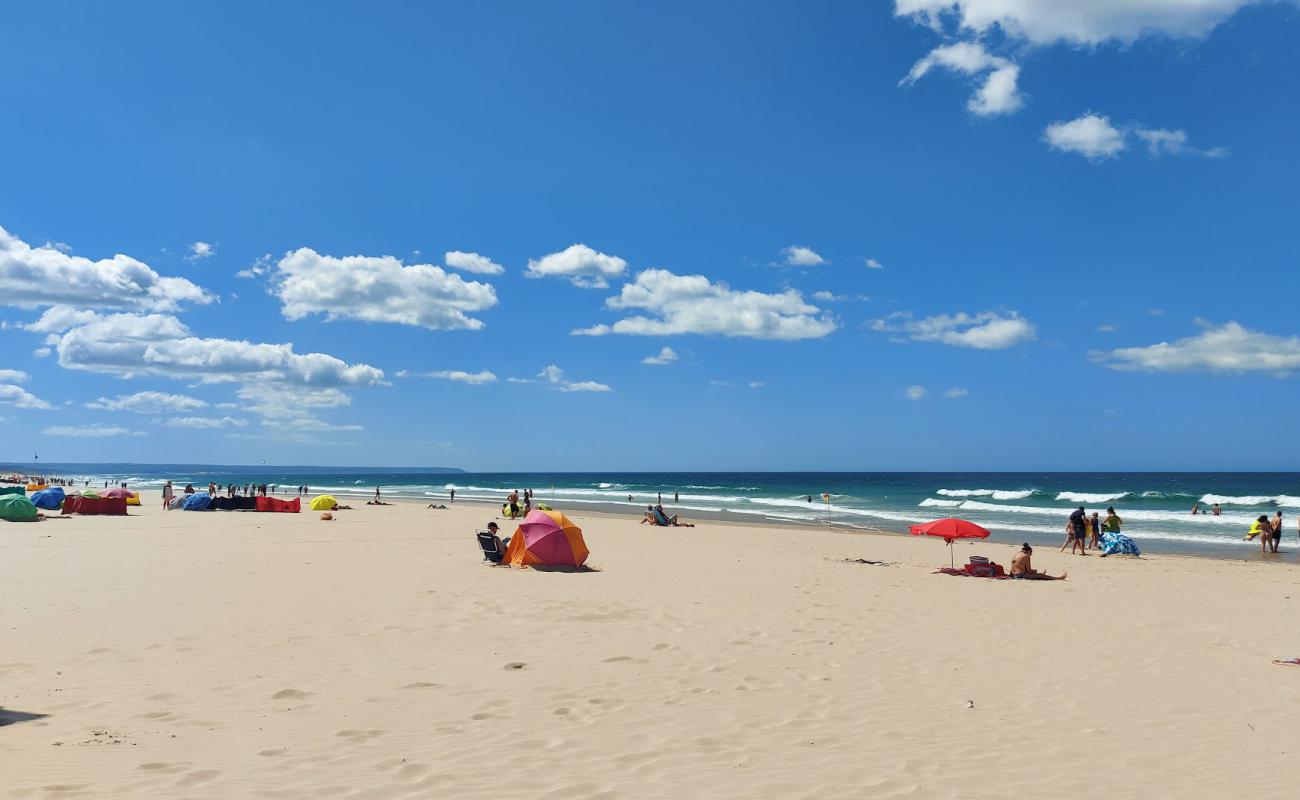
90 493
49 499
17 508
80 504
12 489
117 491
325 502
546 538
950 529
199 501
275 504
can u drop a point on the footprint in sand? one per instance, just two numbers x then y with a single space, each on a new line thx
199 776
420 685
163 766
278 751
513 665
482 715
290 694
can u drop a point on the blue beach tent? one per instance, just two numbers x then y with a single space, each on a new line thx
197 502
48 499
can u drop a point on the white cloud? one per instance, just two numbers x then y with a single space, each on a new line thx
692 304
205 422
1090 135
874 264
553 376
956 391
148 403
20 397
914 392
1086 22
378 289
984 331
830 297
201 250
798 256
1227 348
258 268
459 376
472 262
1156 312
1162 141
1105 329
1095 137
98 432
14 376
158 344
666 355
278 401
757 384
42 352
998 94
581 265
34 277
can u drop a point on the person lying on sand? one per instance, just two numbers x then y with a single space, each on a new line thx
432 505
377 503
1021 567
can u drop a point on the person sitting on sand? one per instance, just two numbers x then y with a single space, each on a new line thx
1022 568
663 519
434 505
649 516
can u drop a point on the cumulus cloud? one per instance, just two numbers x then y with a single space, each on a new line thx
553 376
956 391
159 344
666 355
13 376
680 304
264 264
205 422
997 92
1085 22
148 403
984 331
874 264
20 397
1090 135
283 402
1095 137
35 277
1226 348
200 251
378 289
472 262
799 256
757 384
914 392
580 265
476 378
88 432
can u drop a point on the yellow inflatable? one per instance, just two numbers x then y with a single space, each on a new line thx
325 502
134 499
35 487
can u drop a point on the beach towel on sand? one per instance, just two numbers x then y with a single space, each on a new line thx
1118 544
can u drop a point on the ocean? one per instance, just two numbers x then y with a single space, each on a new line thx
1014 506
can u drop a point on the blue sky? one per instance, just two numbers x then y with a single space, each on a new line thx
929 235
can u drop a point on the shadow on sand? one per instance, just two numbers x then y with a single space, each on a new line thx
9 716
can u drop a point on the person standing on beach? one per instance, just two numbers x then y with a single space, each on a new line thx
168 493
378 499
1094 531
677 498
1079 531
451 495
1112 523
1277 531
1216 510
661 498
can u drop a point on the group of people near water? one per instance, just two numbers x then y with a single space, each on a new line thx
1084 530
1268 531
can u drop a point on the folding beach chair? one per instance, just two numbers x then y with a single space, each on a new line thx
491 547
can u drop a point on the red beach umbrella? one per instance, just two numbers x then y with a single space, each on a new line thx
950 529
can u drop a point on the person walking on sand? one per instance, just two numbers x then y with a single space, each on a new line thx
451 495
168 493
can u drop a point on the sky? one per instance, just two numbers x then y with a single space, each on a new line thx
921 235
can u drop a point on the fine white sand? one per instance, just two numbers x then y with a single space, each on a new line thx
234 655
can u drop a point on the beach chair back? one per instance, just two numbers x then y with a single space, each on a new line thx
488 544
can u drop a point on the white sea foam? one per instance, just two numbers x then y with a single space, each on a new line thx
996 494
1250 500
1088 497
931 502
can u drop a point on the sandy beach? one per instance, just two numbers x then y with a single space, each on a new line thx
231 655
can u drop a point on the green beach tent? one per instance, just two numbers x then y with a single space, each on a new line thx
17 508
12 490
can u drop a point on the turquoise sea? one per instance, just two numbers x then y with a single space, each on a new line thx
1015 506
